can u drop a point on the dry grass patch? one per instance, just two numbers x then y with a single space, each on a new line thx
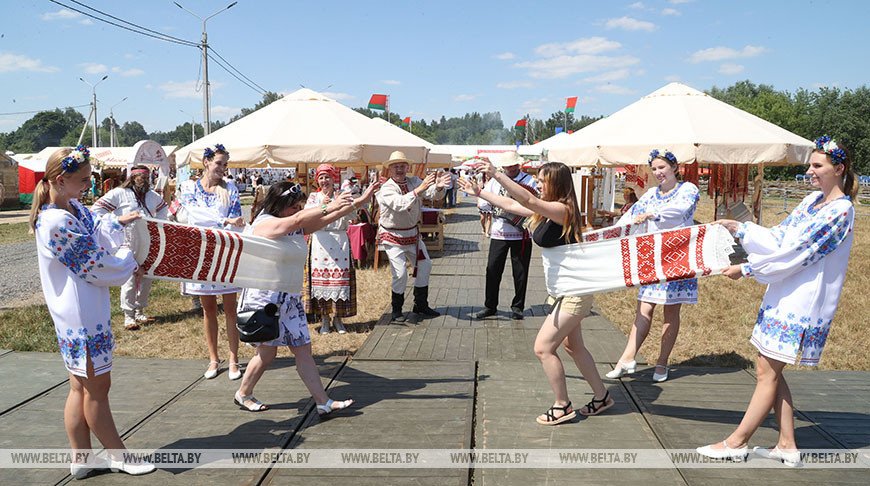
15 233
716 331
178 333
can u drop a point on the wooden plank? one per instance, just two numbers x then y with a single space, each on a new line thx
366 349
428 344
453 342
466 345
414 343
493 344
440 343
480 344
383 346
397 349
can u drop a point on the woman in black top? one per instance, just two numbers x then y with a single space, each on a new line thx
562 326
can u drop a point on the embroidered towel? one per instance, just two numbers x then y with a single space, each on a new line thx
620 262
171 251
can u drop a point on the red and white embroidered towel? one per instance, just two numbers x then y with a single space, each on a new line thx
171 251
618 263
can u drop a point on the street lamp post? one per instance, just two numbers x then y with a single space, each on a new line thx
113 137
206 119
192 124
95 135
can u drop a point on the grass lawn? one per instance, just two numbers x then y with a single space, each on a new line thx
15 233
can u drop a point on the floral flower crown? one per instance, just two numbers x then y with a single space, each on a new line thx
218 147
666 155
827 145
75 158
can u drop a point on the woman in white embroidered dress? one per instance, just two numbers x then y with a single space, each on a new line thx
803 260
330 284
80 257
283 219
211 203
670 205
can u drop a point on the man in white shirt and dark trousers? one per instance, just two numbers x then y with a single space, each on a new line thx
134 194
507 234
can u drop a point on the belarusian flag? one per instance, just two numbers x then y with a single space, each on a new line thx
406 122
571 103
521 124
378 102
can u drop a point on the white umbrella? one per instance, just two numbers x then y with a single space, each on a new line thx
303 127
691 124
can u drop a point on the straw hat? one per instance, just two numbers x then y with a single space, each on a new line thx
508 159
396 157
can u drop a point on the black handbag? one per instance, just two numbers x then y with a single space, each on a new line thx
257 326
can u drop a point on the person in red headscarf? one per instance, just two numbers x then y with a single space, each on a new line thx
329 290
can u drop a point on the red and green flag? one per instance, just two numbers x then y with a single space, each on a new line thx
406 122
521 124
378 102
570 104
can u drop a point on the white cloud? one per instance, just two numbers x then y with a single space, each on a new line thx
562 66
186 89
677 2
514 84
224 112
94 68
670 11
730 68
672 78
637 5
533 106
62 14
148 86
392 81
464 97
721 53
337 96
86 22
607 77
614 89
131 56
13 62
132 72
588 45
825 85
628 23
505 56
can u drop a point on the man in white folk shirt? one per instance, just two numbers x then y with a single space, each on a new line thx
400 199
134 194
507 234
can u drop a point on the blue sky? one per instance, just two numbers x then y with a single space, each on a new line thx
433 58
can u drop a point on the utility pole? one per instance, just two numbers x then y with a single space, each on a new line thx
94 136
206 118
192 123
113 136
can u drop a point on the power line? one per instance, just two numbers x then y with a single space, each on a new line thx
39 111
213 51
261 92
162 37
131 23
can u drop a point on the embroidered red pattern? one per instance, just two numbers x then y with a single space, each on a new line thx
181 253
675 254
646 266
207 256
153 247
699 252
626 262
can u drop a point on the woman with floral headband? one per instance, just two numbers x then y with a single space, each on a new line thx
803 261
80 256
283 219
671 205
211 203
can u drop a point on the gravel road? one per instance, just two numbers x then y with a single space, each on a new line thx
19 275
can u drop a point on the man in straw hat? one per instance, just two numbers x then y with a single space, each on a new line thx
400 199
507 234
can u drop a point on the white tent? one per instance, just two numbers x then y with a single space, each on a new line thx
536 150
144 152
691 124
304 127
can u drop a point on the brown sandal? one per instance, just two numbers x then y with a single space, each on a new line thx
551 418
596 409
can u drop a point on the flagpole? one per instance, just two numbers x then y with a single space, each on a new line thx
387 106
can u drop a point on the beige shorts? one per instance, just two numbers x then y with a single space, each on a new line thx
576 306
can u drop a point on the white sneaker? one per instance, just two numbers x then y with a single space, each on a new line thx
81 470
324 326
622 369
130 322
137 469
736 455
790 459
658 378
141 317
